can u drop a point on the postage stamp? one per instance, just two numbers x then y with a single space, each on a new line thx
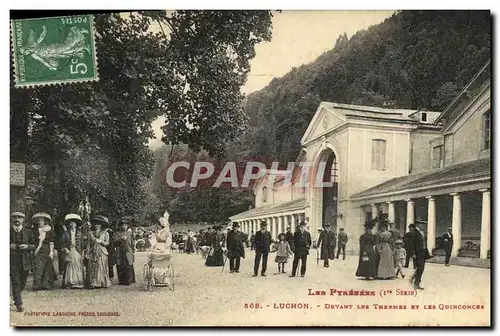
54 50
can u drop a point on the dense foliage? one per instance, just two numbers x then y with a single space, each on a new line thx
413 60
203 203
90 139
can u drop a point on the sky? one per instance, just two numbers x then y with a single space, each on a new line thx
298 37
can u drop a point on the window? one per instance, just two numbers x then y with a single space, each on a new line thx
334 172
486 130
438 157
424 116
378 154
264 194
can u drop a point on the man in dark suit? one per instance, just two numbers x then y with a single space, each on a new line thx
418 251
22 242
448 245
407 242
302 243
326 243
342 243
262 247
235 248
289 237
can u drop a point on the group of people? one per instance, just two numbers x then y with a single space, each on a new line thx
84 256
233 243
383 255
217 244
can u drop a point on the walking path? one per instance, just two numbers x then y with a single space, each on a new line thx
204 296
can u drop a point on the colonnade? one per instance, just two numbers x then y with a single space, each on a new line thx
276 224
456 220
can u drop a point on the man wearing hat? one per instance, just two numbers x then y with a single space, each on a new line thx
418 251
22 242
235 248
448 245
262 248
327 242
342 243
302 243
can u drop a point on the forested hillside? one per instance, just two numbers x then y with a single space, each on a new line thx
411 60
414 59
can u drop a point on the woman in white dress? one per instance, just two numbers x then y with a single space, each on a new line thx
73 276
161 253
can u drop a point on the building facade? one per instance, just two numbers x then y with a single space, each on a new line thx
404 164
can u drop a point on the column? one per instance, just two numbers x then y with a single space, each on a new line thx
410 212
456 223
274 221
294 223
374 210
271 226
431 223
485 224
392 212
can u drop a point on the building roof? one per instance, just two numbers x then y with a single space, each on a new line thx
460 171
270 209
457 104
373 112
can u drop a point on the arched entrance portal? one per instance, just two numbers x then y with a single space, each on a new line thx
329 192
324 199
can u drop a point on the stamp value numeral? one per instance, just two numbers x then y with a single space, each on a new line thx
76 67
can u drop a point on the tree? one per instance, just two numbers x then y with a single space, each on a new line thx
91 138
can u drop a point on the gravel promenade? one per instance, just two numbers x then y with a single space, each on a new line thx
204 296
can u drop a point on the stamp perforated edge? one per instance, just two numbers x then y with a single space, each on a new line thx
19 85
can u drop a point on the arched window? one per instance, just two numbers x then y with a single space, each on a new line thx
378 154
264 194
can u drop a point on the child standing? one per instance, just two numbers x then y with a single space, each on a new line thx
283 251
399 257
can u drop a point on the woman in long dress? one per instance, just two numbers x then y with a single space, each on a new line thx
97 254
124 254
190 248
386 260
216 255
44 274
367 266
73 244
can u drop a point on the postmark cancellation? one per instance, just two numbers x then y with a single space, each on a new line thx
54 50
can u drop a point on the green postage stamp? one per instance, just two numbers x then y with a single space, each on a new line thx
54 50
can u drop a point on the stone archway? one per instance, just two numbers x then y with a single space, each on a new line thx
325 200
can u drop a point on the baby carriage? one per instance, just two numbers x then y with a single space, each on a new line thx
158 271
